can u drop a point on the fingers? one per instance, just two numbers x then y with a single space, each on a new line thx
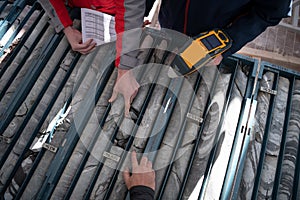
126 85
85 48
149 164
134 161
128 100
126 176
113 96
144 161
218 60
75 39
127 106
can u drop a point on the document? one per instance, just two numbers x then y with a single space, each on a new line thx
97 26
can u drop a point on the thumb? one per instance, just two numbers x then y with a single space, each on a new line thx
126 177
113 96
127 107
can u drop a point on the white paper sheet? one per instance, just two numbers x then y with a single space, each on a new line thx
97 26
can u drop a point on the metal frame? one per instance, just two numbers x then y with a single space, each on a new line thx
235 166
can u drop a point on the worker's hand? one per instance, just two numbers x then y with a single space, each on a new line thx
75 39
142 174
126 85
216 61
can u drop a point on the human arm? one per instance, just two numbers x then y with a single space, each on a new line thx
129 22
141 183
75 39
58 13
61 21
262 14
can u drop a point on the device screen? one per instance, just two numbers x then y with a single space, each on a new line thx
211 42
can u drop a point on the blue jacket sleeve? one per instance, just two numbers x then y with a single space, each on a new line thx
263 13
141 193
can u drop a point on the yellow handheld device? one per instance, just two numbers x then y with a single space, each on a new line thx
200 50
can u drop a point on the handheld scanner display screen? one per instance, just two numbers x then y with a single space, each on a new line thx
211 42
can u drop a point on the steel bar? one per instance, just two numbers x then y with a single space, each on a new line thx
155 42
138 121
26 86
20 65
169 100
86 155
100 165
163 118
197 142
73 135
213 153
29 114
265 139
42 120
179 139
283 141
129 143
90 147
237 154
23 125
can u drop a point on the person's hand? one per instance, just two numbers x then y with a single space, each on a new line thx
75 39
216 61
126 85
142 174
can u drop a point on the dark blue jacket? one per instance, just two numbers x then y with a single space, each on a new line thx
243 20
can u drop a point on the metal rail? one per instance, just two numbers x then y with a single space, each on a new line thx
156 41
108 147
26 86
42 120
265 138
180 138
129 143
64 153
213 153
283 141
234 170
197 140
241 140
23 125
